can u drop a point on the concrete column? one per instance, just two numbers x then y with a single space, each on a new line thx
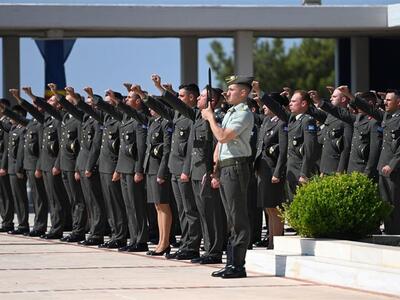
244 53
343 62
359 64
189 60
11 65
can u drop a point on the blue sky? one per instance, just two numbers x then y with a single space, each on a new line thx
107 63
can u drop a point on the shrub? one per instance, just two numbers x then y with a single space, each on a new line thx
344 206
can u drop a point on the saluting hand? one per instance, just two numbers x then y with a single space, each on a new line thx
330 89
53 88
315 97
127 86
344 89
15 94
89 91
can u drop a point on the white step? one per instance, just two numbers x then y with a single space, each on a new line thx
343 263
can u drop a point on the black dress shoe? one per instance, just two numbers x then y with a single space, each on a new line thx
115 244
187 255
35 233
173 255
125 248
234 272
19 231
91 242
73 238
155 253
142 247
197 260
6 229
209 260
219 272
52 236
104 245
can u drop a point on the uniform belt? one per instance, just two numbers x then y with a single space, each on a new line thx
232 161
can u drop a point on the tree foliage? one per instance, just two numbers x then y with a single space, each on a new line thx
308 65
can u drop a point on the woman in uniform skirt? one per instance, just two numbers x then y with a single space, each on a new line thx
158 178
270 167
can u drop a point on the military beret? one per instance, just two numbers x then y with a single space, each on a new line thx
282 100
245 80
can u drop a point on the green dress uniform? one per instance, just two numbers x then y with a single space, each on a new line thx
178 163
59 207
6 197
389 185
108 159
31 163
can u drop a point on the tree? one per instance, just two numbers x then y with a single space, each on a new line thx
309 65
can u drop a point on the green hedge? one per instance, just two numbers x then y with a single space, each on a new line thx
344 206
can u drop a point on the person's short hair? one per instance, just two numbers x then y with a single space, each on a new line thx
191 88
19 110
5 102
394 91
304 95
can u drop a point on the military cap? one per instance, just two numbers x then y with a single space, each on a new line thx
245 80
282 100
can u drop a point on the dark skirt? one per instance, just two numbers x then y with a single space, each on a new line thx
158 193
269 195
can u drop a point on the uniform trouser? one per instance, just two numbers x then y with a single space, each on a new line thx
389 188
75 196
255 213
135 205
212 218
21 206
115 208
7 203
233 188
39 199
188 214
60 210
94 203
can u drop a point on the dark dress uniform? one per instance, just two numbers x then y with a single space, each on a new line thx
66 161
18 184
6 197
270 161
389 185
366 142
108 159
31 162
178 163
59 207
158 148
302 144
208 200
336 145
90 142
133 135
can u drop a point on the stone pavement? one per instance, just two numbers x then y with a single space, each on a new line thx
31 268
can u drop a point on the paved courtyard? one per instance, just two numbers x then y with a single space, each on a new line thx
31 268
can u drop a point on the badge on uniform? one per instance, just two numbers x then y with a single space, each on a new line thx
294 143
311 128
169 129
285 129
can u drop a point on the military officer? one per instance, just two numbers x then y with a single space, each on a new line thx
133 134
110 181
31 144
15 170
89 137
232 162
208 201
389 161
6 197
302 138
60 210
337 135
179 166
66 161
